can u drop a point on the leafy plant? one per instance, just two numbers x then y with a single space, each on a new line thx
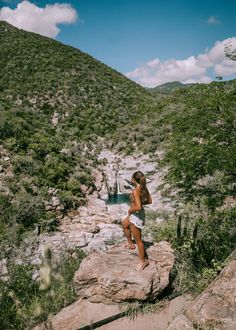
25 301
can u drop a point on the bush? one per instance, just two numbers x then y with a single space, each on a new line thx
161 226
25 302
69 200
202 241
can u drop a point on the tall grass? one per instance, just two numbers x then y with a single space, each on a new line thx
25 301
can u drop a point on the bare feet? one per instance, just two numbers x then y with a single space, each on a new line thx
142 265
130 246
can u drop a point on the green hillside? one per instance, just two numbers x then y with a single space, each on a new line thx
167 88
43 75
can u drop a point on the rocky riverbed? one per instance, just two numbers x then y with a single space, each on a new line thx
96 225
99 222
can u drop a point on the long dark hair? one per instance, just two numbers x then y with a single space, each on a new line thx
140 178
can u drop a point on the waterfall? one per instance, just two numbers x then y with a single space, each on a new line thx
118 191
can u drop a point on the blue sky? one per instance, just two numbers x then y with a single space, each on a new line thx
150 41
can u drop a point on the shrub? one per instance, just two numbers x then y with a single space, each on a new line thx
25 302
202 241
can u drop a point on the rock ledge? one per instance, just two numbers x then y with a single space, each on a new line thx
110 277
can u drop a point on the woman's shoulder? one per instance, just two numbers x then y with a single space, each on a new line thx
136 191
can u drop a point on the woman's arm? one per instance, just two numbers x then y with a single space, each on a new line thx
136 205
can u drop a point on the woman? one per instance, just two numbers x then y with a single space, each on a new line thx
135 220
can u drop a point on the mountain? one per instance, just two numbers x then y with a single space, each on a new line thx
167 88
42 74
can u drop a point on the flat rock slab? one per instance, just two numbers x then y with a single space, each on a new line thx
158 320
79 314
181 323
110 276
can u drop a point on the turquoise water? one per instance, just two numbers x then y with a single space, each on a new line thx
119 199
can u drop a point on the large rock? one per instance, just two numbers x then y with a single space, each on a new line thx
110 233
215 307
217 304
80 239
94 212
97 244
111 276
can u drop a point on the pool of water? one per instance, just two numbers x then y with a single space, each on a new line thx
119 199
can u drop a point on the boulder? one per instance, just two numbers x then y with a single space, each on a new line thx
97 244
215 307
95 230
111 276
80 239
55 201
110 233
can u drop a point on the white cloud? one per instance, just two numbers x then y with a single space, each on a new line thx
29 17
190 70
213 20
225 68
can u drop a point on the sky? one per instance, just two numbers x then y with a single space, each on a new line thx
150 41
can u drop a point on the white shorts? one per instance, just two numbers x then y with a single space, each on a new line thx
138 218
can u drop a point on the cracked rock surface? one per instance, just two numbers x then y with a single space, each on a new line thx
111 276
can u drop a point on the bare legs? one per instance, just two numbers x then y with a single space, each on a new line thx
136 232
126 227
137 236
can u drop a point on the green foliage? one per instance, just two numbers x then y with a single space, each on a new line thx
46 75
202 241
202 246
167 88
195 129
25 302
202 143
70 200
161 226
24 209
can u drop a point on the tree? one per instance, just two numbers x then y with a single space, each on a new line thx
229 52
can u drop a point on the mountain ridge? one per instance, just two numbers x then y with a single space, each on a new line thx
168 87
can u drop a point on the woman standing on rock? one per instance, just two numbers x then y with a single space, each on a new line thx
135 220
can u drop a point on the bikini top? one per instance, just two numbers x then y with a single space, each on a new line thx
132 198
